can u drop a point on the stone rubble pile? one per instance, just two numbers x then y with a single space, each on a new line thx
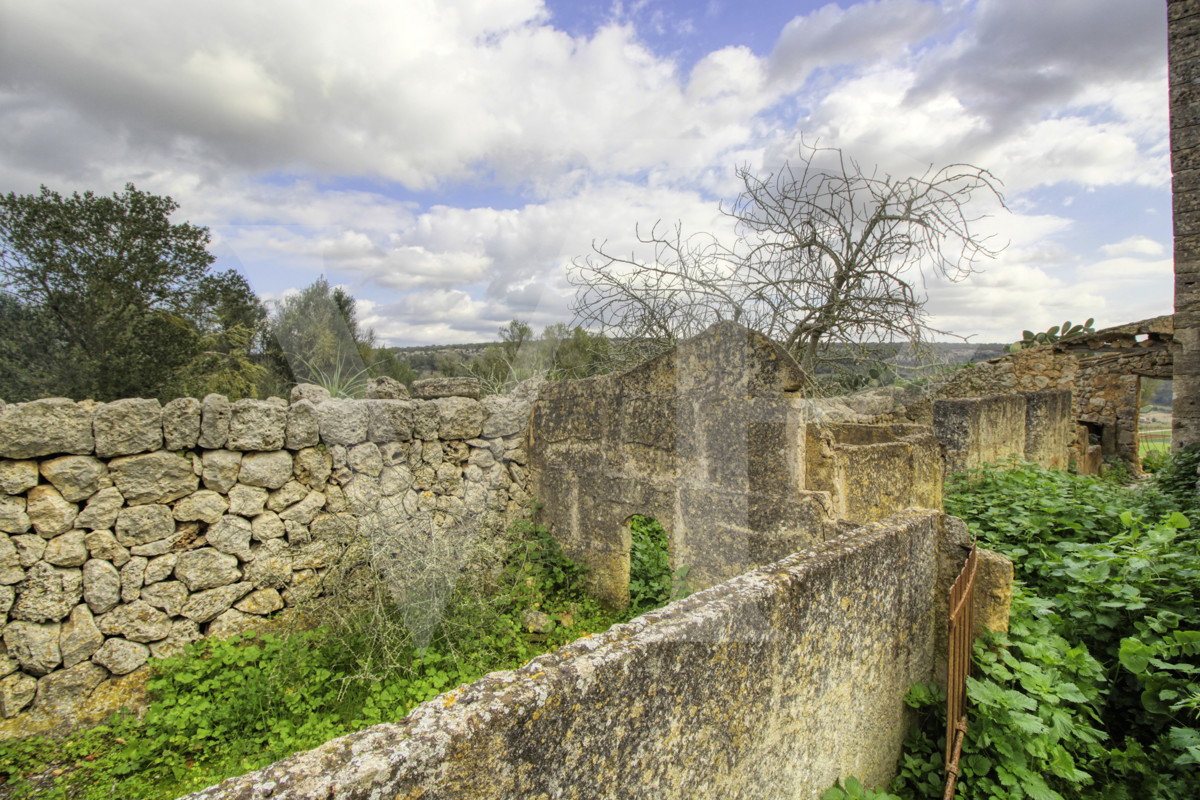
129 529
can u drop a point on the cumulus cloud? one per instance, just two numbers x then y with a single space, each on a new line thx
346 140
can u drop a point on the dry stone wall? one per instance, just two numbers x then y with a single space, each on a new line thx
772 684
129 529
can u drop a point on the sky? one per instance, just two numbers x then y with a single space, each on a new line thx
446 160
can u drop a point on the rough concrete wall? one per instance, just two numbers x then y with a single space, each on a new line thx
773 684
1035 426
708 439
871 471
1183 53
128 529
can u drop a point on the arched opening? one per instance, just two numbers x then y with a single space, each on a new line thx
652 583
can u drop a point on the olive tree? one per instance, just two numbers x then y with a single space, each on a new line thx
827 259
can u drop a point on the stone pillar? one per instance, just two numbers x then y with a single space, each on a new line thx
1183 55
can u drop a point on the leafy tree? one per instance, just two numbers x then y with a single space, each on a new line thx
120 292
828 257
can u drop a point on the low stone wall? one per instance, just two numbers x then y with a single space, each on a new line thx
1035 426
871 471
130 529
773 684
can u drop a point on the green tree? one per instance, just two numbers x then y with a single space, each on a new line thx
123 295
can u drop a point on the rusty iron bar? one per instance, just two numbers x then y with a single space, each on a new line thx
961 636
960 731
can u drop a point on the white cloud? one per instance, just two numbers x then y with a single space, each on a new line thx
1133 246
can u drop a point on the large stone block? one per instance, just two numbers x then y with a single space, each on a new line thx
181 423
76 477
310 392
137 525
257 425
16 692
45 427
220 468
125 427
214 422
207 568
137 621
101 586
343 422
61 694
79 637
49 512
505 416
268 470
459 417
390 420
101 510
232 535
13 518
208 605
303 426
35 647
158 477
18 477
203 506
121 656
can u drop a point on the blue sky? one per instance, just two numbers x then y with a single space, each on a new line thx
446 159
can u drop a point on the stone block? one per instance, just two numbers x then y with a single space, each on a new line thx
231 535
34 646
343 422
220 469
505 416
79 637
202 506
303 426
158 477
45 427
125 427
18 477
16 693
208 605
385 388
459 417
76 477
433 388
207 568
214 422
310 392
121 656
389 420
257 425
101 586
49 512
66 550
137 525
101 510
48 594
269 470
181 424
137 621
13 518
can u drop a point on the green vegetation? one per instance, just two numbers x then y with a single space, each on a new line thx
651 583
226 707
1095 690
105 297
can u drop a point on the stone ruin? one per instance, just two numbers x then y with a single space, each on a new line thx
131 529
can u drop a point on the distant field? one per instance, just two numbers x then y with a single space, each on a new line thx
1152 438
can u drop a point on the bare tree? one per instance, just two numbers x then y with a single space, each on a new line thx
827 260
